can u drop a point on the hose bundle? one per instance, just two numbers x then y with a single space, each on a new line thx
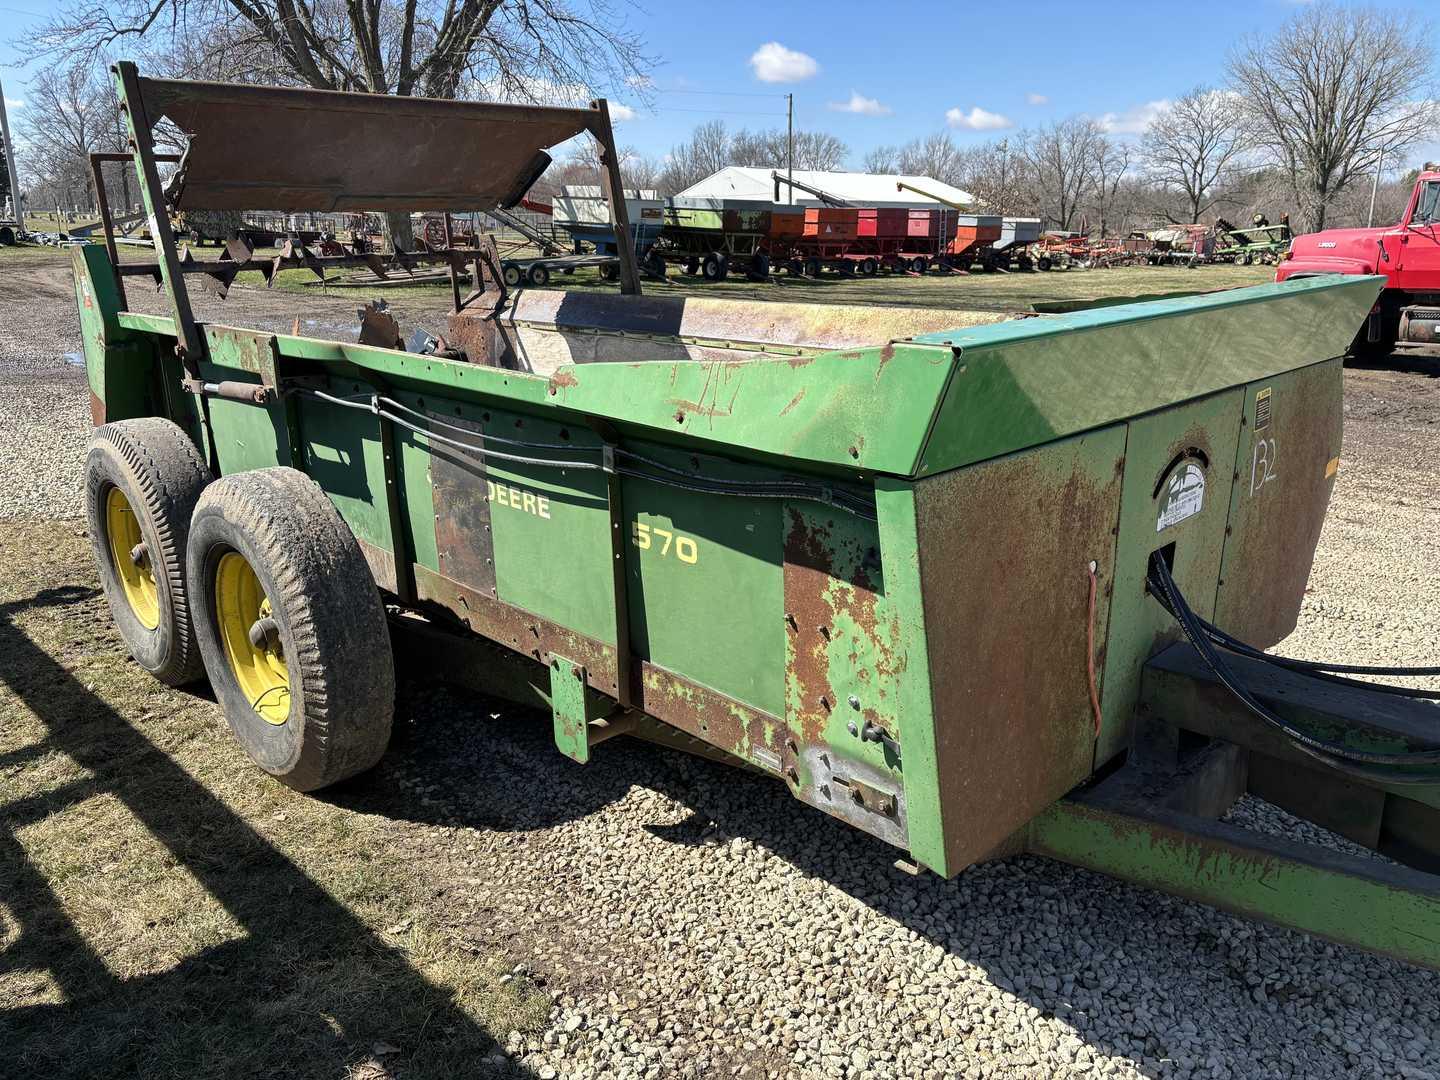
1369 765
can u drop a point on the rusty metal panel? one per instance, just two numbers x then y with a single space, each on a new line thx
464 543
1285 467
1005 551
842 665
277 148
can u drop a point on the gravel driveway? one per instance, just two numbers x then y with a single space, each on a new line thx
691 920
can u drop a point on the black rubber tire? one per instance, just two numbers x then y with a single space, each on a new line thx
692 266
1043 263
161 474
538 275
813 268
654 265
609 273
512 274
759 268
869 267
331 625
715 266
919 264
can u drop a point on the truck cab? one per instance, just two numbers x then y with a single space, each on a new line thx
1407 254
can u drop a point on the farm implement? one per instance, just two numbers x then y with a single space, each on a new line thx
1259 243
973 584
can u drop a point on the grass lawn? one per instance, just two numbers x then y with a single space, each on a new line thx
994 292
167 912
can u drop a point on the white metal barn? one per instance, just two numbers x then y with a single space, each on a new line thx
862 189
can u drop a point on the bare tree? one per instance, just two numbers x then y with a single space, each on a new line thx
69 115
1191 147
1064 163
997 174
708 151
935 156
1330 91
1112 163
583 167
882 160
813 149
552 51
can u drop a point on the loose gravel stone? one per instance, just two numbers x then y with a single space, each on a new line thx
690 920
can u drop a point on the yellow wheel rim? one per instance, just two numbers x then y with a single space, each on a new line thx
131 558
251 639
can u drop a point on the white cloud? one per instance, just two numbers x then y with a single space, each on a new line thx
859 103
1135 120
620 111
774 63
12 103
977 119
1033 98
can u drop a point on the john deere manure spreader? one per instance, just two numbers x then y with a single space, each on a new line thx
974 584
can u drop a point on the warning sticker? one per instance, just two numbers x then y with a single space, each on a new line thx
1184 496
1262 409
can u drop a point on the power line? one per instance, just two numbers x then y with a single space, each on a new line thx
722 93
720 112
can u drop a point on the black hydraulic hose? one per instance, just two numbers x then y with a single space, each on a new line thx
1333 755
714 483
1236 645
773 489
1324 671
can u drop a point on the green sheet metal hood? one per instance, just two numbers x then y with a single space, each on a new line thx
944 400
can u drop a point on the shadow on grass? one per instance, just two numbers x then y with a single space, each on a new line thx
306 990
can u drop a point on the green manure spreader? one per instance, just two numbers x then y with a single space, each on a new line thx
975 584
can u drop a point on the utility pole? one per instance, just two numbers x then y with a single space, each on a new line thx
10 163
790 143
1374 186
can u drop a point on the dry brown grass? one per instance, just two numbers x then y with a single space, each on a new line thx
167 911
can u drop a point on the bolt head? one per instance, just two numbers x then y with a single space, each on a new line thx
854 702
853 729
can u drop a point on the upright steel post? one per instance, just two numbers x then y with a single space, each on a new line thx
108 224
10 163
790 145
614 189
189 347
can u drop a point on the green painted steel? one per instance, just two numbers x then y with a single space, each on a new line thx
1025 382
904 641
570 706
1341 899
1159 448
864 409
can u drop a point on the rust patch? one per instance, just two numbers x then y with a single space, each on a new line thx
793 401
97 409
463 541
887 353
696 407
696 710
712 717
564 378
1275 520
800 361
1006 547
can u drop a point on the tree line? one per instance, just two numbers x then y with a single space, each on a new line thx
1303 120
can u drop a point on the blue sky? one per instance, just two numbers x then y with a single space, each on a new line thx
909 68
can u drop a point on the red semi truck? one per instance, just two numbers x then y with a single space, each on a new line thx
1408 254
